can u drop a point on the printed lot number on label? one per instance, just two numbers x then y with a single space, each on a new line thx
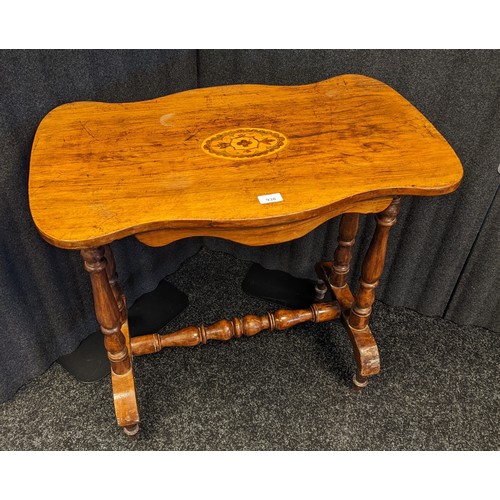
269 198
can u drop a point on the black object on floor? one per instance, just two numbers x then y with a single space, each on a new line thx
153 310
148 314
279 287
88 362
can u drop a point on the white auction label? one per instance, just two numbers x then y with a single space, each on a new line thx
269 198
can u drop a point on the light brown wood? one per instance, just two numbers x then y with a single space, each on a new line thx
195 164
266 235
103 171
227 329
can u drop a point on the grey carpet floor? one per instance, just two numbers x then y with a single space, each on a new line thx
438 390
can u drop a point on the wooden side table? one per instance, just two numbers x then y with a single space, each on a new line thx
250 163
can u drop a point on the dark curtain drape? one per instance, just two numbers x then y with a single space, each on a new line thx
46 306
442 255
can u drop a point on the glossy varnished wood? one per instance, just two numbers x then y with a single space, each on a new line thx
103 171
124 395
113 282
373 265
260 235
111 314
356 309
194 164
342 257
365 351
227 329
335 273
106 309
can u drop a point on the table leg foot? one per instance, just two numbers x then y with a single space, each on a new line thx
365 352
320 290
124 396
131 430
127 413
359 382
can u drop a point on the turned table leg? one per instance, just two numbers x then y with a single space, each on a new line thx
356 322
348 229
334 274
113 281
111 314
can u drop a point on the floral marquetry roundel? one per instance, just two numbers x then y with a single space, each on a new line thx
243 143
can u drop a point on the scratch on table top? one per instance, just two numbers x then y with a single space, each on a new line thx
84 127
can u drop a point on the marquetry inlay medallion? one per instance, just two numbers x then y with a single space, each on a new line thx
240 143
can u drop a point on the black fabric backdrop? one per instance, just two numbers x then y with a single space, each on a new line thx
442 256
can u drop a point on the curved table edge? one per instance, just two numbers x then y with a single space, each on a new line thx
315 217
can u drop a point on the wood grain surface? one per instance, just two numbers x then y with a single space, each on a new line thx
102 171
228 329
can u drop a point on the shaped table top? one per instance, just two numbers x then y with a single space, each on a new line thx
224 160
